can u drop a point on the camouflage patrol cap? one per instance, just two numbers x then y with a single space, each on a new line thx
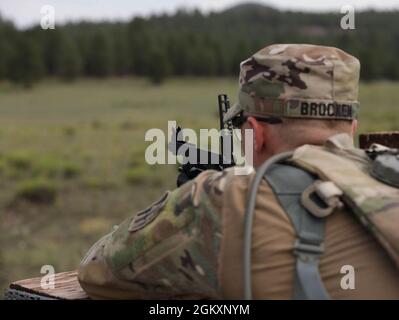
298 81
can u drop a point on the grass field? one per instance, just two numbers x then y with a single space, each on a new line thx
72 158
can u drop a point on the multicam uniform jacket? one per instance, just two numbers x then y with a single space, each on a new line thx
169 250
189 244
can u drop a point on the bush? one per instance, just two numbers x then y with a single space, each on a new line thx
20 160
137 175
69 131
137 158
37 191
70 170
97 124
127 125
50 167
98 184
2 166
45 166
146 174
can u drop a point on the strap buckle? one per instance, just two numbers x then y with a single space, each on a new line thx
308 251
327 192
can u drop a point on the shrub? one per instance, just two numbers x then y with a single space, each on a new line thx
137 158
20 160
145 174
70 170
126 125
46 166
69 131
96 183
50 166
97 124
2 166
37 190
137 175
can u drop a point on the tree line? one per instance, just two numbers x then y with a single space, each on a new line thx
190 43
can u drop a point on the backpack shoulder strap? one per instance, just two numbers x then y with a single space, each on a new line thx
288 183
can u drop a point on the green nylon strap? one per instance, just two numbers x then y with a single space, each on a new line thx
288 183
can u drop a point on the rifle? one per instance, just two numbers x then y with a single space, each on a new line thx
214 161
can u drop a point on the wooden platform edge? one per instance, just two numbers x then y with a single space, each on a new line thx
16 294
66 287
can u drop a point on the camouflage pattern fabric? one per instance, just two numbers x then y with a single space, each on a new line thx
169 250
299 81
376 204
189 243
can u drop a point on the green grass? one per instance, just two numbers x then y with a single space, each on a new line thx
81 147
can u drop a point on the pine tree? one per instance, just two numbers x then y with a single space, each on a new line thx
158 66
68 62
121 53
140 46
3 59
101 55
26 65
7 34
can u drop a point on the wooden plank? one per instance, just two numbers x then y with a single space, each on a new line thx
66 286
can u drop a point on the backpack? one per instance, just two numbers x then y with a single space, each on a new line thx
310 183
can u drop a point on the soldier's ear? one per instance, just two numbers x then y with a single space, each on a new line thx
354 127
258 132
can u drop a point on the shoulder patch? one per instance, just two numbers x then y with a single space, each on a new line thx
144 217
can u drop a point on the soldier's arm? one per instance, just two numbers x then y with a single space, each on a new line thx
169 250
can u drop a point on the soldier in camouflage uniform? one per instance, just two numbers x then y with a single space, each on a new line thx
189 243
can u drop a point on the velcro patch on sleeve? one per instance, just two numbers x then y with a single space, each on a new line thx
145 217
